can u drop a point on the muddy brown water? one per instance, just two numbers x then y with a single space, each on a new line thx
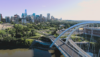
25 52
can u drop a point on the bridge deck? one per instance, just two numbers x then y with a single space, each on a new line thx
65 48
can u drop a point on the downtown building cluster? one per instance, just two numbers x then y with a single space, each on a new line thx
27 18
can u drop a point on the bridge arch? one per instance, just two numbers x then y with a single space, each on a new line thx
76 25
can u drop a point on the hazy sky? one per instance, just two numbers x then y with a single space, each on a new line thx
65 9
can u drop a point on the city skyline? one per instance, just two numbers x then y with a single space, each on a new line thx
66 9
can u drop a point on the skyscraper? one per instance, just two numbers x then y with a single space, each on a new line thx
52 17
7 19
48 16
32 19
60 18
12 19
37 16
25 13
16 18
0 17
22 15
34 15
41 18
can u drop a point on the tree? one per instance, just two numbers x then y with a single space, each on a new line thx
18 28
2 32
12 32
33 32
1 22
12 22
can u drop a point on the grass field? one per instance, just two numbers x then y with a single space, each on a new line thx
5 25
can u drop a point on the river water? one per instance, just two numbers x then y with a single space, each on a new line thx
25 52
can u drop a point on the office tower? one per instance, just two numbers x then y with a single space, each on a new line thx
37 16
25 13
0 17
52 17
48 16
7 19
44 19
22 15
34 15
60 18
23 20
12 19
28 18
32 19
41 18
16 18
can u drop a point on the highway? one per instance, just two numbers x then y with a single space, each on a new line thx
66 49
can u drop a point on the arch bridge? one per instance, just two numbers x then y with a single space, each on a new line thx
72 49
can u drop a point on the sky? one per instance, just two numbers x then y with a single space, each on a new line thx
65 9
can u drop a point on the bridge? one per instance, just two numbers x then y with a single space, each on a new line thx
69 48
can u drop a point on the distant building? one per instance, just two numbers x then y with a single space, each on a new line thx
16 18
12 19
23 20
28 18
60 18
22 15
34 15
52 17
32 19
44 19
0 17
96 31
25 14
41 18
7 19
48 16
37 18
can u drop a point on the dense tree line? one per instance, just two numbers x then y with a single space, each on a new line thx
23 31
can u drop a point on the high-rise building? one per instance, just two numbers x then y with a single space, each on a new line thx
37 16
25 13
32 19
60 18
0 17
41 18
7 19
48 16
44 19
12 19
23 20
52 17
22 15
34 15
16 18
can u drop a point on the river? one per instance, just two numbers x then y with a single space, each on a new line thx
25 52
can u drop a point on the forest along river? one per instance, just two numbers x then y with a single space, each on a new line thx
25 52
